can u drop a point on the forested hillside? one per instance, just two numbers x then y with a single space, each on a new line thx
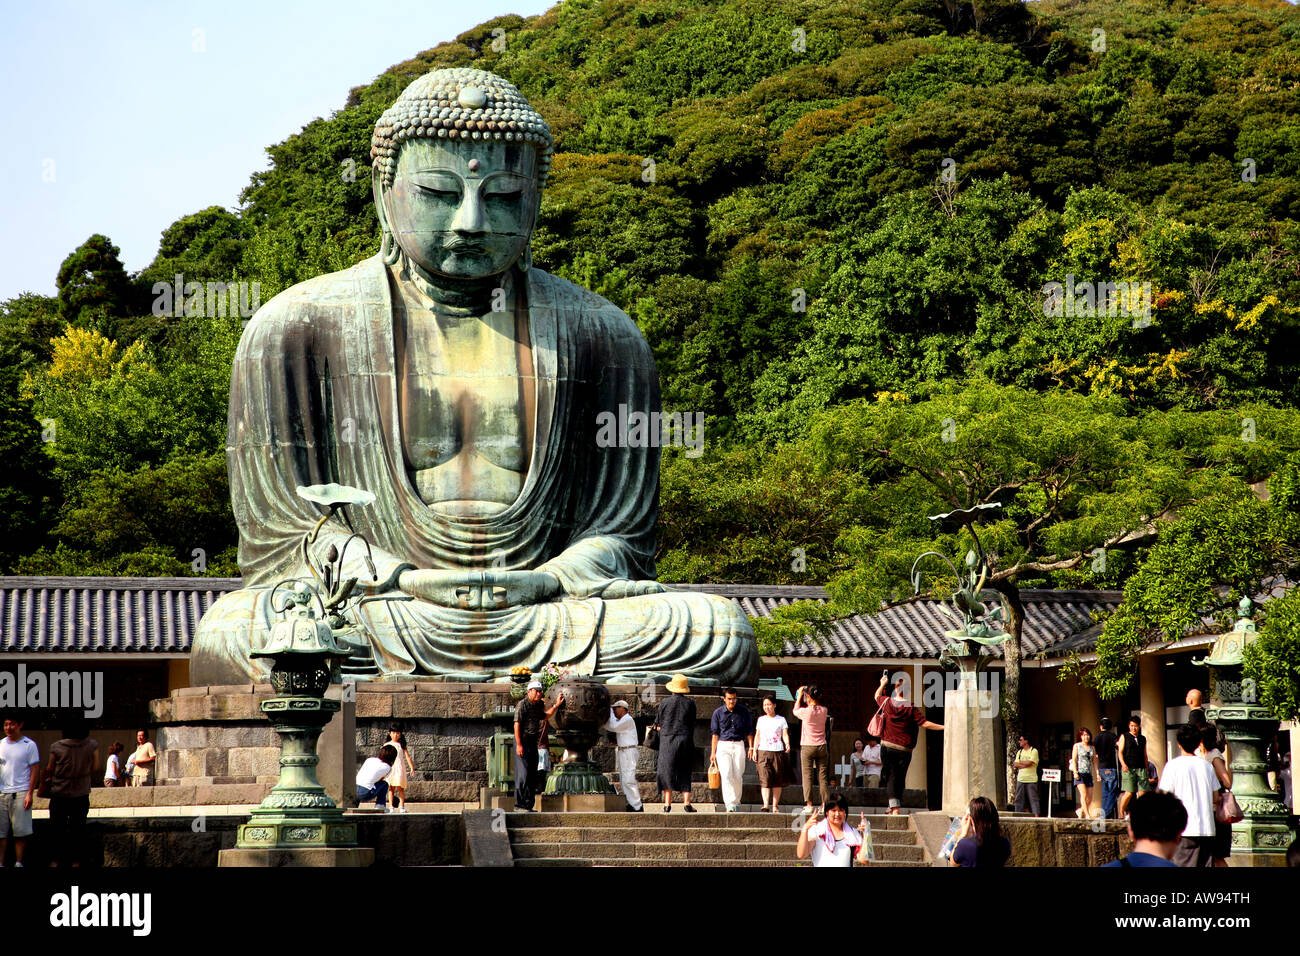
834 222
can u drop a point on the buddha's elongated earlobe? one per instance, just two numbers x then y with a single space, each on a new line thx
526 259
388 246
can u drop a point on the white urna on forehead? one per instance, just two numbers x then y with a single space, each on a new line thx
460 106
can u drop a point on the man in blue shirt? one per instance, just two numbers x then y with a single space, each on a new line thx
1155 823
732 728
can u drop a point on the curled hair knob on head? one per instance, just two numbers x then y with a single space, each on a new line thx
460 104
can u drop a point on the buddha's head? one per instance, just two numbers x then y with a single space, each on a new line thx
459 164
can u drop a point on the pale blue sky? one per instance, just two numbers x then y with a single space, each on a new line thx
141 128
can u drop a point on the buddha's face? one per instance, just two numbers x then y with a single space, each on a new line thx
463 210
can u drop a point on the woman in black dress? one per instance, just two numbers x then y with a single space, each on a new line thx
676 720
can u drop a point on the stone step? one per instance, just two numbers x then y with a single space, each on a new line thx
652 833
561 861
752 852
701 819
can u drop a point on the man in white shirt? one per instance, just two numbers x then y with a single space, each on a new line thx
371 780
1193 781
623 727
871 762
20 775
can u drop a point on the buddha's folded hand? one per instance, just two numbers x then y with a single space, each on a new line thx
480 590
622 589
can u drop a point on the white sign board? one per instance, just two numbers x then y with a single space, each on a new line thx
1051 775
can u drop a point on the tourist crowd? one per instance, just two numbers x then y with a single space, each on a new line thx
65 780
1181 817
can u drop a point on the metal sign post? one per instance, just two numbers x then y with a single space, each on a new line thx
844 769
1051 776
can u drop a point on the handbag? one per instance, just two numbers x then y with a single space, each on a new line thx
876 725
652 736
715 776
1229 811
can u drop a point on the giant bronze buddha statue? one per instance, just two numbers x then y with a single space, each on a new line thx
462 388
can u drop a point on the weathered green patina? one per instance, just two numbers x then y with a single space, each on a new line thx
298 813
462 388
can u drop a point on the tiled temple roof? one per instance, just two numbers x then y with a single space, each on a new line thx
916 628
43 615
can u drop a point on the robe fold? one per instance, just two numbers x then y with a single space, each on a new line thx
314 399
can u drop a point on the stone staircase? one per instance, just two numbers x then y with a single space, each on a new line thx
700 839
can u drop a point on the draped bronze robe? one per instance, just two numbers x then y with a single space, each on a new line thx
314 400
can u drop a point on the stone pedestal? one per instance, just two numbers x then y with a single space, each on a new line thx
580 802
970 742
314 856
337 770
298 814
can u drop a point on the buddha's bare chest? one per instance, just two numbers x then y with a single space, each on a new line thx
465 390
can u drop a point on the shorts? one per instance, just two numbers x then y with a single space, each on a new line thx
1083 778
1135 781
773 768
14 820
1194 852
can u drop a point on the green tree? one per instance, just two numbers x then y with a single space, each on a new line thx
1219 549
174 519
94 290
27 323
29 494
205 246
1272 660
1079 479
116 408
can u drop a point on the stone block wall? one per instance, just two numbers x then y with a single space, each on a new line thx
210 736
425 839
1065 842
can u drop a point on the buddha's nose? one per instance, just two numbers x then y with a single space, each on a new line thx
469 216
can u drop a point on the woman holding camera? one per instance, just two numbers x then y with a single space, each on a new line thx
981 842
814 746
